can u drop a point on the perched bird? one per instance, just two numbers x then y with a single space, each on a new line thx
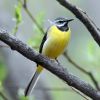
53 44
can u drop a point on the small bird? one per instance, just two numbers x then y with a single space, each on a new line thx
53 44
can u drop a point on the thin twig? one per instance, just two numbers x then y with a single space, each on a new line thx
92 22
83 70
61 89
90 19
32 17
80 93
25 4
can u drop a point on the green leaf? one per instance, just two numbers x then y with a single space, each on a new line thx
18 15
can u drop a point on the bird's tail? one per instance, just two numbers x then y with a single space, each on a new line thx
33 81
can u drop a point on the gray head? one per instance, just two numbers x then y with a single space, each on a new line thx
62 23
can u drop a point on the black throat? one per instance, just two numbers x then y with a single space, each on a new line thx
63 28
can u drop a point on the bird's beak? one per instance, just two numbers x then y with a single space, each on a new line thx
69 20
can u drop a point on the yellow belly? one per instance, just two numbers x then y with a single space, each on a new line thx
55 43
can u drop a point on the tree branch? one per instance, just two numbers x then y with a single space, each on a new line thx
56 69
82 16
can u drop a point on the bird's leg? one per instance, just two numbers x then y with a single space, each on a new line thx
57 61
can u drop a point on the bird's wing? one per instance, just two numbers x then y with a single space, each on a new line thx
42 43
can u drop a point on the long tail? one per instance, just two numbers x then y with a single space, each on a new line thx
33 81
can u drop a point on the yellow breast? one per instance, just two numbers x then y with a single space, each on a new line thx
56 42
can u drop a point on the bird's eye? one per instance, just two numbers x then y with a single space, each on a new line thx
60 21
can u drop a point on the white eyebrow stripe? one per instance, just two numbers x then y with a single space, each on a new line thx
61 24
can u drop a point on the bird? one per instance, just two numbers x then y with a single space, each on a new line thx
54 42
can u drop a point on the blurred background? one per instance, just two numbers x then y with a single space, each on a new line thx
16 70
